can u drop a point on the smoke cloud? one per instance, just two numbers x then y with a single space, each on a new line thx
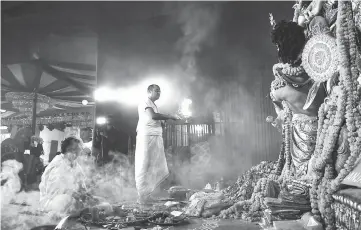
199 23
112 183
225 73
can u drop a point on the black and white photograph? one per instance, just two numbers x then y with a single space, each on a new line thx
181 115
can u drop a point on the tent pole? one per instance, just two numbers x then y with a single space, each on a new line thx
33 125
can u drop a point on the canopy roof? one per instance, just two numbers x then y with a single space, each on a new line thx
62 68
64 37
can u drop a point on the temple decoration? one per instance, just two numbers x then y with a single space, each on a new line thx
332 54
24 101
320 57
81 119
347 208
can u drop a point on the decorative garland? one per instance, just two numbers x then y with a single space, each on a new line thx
77 119
287 173
343 108
325 183
252 209
287 69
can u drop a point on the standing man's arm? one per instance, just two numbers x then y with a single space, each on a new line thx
158 116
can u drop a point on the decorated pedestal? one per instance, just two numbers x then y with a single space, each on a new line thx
347 208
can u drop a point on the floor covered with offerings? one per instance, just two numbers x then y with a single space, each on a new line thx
128 215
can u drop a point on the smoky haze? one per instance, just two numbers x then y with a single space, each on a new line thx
217 53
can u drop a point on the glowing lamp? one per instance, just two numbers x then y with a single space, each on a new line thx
101 120
3 127
84 102
185 109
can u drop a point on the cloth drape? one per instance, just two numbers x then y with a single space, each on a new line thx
303 142
150 164
58 183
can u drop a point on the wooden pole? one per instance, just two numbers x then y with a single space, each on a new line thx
35 101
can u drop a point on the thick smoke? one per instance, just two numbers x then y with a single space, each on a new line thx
222 80
199 23
112 183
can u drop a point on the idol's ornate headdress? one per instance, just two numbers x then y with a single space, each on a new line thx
272 20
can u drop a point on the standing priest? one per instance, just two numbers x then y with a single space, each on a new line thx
150 163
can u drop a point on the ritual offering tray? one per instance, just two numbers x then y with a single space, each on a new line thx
178 192
166 219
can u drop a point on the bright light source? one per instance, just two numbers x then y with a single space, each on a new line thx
187 101
130 96
133 95
101 120
185 109
3 127
105 94
2 110
84 102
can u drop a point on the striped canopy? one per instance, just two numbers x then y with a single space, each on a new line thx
64 69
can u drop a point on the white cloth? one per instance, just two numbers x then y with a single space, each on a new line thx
9 172
58 183
150 164
146 125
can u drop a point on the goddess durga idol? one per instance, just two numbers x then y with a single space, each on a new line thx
315 94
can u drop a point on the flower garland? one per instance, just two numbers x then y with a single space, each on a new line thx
348 97
243 188
281 156
250 210
287 173
287 69
353 118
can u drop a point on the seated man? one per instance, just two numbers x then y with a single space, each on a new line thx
64 179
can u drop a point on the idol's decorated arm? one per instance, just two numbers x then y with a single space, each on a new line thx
278 122
305 11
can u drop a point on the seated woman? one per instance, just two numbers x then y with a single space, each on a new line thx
64 180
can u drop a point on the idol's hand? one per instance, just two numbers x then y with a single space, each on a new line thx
313 10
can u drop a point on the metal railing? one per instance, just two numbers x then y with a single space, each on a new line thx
186 134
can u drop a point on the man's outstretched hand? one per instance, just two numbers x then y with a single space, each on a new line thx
175 117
